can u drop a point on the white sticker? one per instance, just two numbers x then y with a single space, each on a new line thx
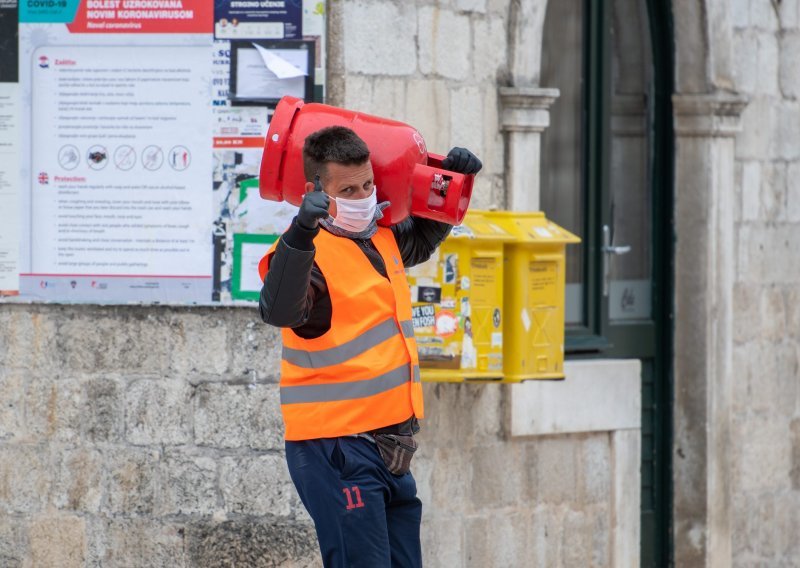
497 339
450 268
542 232
462 231
526 319
465 282
466 309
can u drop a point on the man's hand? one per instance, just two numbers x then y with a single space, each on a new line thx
314 207
462 161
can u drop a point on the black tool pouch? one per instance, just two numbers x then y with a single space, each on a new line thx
396 451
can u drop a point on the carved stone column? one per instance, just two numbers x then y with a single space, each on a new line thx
526 113
705 127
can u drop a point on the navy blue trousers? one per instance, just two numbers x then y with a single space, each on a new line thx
363 514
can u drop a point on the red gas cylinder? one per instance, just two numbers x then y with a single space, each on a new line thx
407 176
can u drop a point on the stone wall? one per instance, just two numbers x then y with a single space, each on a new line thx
765 464
438 70
152 437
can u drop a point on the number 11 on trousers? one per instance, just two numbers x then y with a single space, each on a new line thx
350 505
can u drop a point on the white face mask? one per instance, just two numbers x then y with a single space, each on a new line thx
355 215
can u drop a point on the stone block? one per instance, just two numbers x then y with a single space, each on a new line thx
497 476
53 409
594 479
740 13
576 546
765 462
252 543
135 543
388 98
444 40
746 312
751 190
544 536
793 312
766 254
789 15
190 485
442 541
57 542
12 396
759 127
132 479
557 467
428 110
794 474
257 351
103 410
487 411
466 119
784 142
422 467
447 422
793 192
765 529
235 416
768 64
773 192
199 344
358 93
26 478
13 541
477 6
768 371
745 49
78 484
493 143
763 15
789 64
367 46
773 313
489 53
496 540
258 485
157 412
130 340
28 341
450 480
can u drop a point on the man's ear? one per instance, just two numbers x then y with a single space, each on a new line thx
309 186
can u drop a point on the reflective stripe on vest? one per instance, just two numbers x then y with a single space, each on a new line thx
341 353
330 392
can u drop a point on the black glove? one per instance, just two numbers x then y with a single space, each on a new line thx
462 161
314 207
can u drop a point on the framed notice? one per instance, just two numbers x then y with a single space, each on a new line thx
248 250
263 71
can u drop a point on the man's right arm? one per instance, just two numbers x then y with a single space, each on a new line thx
293 282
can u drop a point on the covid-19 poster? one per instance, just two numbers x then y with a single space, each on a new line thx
124 165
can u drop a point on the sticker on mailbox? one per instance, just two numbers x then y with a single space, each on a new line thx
423 316
429 294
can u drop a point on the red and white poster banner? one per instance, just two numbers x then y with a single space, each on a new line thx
144 16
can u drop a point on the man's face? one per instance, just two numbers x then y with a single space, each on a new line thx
348 182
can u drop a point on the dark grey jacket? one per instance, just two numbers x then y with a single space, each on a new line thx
295 293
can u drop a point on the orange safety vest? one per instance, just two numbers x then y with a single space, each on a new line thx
363 373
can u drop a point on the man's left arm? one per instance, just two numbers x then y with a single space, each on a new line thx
417 238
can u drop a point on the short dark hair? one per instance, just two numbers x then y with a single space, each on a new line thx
337 144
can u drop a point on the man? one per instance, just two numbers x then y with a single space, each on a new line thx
350 391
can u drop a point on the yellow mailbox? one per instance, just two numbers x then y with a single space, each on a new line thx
457 303
533 290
